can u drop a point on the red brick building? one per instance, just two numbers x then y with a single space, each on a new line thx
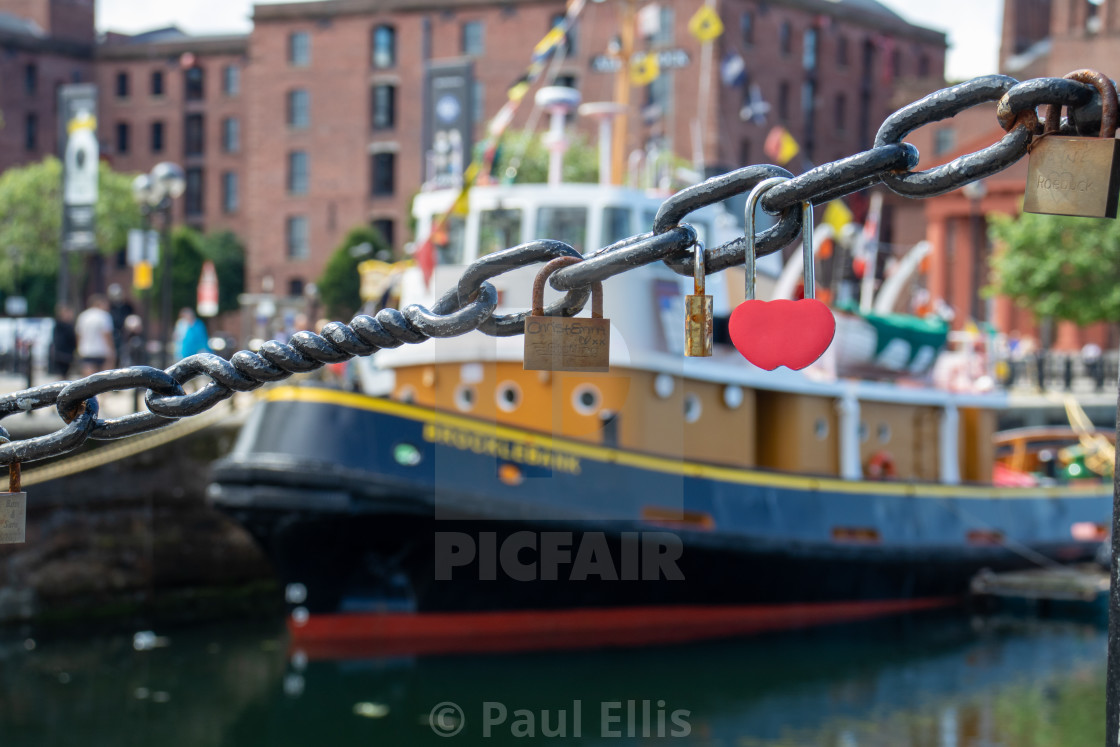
1040 38
338 97
166 96
43 45
322 118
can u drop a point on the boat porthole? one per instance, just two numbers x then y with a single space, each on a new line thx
884 433
733 396
586 399
508 396
820 429
692 408
464 397
864 432
407 394
406 455
663 386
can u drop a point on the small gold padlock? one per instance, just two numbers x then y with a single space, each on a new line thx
698 311
1076 175
13 509
556 343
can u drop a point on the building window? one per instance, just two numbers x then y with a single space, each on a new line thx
384 226
842 51
122 137
383 167
157 137
231 135
296 233
744 152
923 66
31 131
157 83
122 85
840 112
193 195
193 132
570 37
295 287
229 192
299 109
809 51
472 38
785 38
231 80
384 115
746 28
297 172
193 78
944 140
664 34
384 47
299 49
783 100
30 78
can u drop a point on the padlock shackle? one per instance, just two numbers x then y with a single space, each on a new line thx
1110 106
810 290
752 203
553 266
699 271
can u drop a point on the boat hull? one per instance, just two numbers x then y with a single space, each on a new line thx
404 521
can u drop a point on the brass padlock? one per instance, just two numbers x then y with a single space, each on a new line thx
556 343
698 311
1076 175
13 509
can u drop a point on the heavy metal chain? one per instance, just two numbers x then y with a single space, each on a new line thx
470 305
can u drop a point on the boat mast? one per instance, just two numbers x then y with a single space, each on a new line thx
622 92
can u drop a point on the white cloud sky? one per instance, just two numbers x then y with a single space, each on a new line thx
973 25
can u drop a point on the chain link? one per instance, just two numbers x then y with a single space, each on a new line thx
470 305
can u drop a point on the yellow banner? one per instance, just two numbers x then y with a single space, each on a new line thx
142 276
644 69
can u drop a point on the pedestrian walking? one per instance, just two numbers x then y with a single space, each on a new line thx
94 328
64 341
190 334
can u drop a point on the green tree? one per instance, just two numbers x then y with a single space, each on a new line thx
30 233
1065 268
526 155
191 249
340 283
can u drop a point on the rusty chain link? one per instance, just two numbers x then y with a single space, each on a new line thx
470 305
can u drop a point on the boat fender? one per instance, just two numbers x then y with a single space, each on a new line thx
881 466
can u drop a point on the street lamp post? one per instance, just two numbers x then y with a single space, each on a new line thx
154 192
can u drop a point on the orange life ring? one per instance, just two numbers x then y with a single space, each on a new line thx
881 466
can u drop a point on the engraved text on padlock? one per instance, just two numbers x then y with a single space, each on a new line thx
554 343
1077 175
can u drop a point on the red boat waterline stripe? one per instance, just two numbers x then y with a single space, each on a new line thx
356 634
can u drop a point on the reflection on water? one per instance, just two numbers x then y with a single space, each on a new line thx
933 681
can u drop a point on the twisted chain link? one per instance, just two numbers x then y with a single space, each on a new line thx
470 305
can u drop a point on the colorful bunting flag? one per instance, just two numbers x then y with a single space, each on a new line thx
733 69
837 215
780 146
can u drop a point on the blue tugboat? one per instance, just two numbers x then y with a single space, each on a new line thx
462 502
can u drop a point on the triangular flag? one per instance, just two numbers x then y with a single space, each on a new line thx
426 259
780 146
644 69
837 215
705 24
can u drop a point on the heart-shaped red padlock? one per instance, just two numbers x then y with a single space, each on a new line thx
782 333
786 333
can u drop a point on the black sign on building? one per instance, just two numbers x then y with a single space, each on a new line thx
449 115
77 107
